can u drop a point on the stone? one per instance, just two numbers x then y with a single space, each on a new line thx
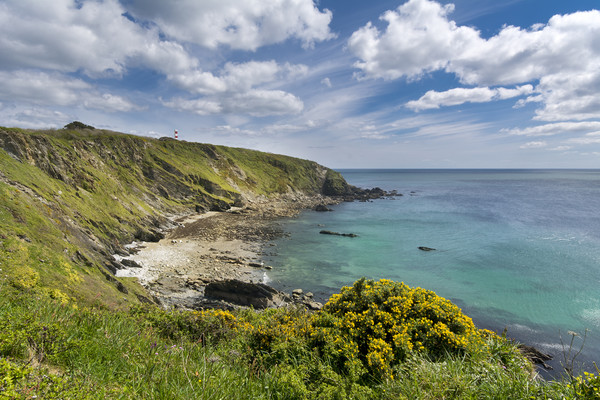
257 295
325 232
423 248
322 208
130 263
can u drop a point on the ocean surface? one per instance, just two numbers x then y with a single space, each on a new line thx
515 249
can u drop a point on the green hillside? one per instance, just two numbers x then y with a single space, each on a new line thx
71 198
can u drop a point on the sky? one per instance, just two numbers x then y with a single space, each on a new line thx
346 83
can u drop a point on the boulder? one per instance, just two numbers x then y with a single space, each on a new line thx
322 208
130 263
247 294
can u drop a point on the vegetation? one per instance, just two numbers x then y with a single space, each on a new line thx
69 329
70 198
57 349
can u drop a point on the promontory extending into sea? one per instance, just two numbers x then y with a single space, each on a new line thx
132 267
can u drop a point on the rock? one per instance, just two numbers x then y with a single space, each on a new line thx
322 208
324 232
535 356
219 205
423 248
130 263
150 235
257 295
297 292
309 295
255 264
314 305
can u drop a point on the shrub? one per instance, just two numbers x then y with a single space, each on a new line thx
587 386
373 326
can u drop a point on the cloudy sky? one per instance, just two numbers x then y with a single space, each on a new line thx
347 83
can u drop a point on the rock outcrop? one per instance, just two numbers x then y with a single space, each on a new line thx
246 294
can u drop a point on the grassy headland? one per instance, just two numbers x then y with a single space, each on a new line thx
70 329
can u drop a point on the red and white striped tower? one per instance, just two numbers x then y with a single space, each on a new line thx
176 136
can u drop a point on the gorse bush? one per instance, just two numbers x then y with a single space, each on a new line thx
372 326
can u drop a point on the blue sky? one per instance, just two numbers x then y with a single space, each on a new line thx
347 83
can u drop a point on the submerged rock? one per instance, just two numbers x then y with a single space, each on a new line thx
423 248
324 232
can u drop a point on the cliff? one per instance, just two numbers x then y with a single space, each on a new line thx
69 199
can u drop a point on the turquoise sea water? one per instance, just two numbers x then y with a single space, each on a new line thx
514 248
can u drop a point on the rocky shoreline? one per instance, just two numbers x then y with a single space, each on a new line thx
213 259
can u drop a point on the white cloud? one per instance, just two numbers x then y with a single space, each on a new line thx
93 36
563 55
108 102
239 24
41 88
433 99
326 82
197 106
589 138
257 103
240 90
560 148
33 118
556 128
238 77
534 145
100 39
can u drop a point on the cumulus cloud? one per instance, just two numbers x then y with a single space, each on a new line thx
419 37
239 24
238 77
33 117
93 36
255 102
42 88
103 39
433 99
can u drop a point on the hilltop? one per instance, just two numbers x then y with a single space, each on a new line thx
72 198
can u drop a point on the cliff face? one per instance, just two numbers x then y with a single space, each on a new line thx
69 199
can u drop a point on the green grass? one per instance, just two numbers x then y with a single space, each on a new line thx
56 350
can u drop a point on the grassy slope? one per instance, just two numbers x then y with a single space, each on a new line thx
69 199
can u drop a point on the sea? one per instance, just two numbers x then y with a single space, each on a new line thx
517 250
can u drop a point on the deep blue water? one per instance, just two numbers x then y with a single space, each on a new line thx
515 249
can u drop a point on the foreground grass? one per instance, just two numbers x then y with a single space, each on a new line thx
51 350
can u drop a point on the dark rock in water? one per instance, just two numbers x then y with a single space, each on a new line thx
423 248
338 234
255 264
535 356
322 208
257 295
